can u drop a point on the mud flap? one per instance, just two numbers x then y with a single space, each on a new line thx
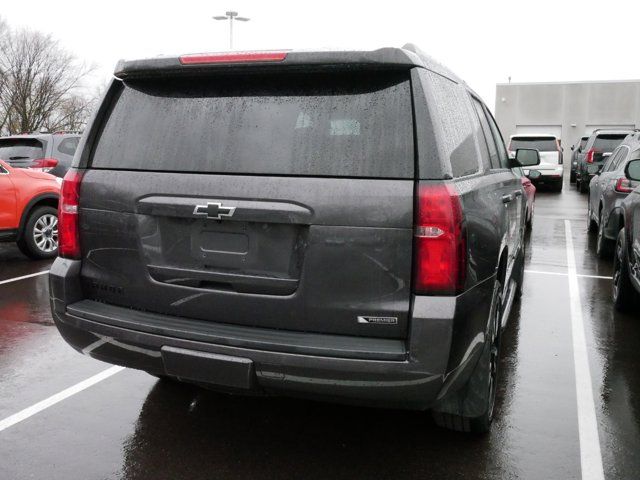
459 408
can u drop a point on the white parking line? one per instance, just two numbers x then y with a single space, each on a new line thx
58 397
15 279
590 455
583 275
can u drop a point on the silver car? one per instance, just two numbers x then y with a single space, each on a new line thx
607 189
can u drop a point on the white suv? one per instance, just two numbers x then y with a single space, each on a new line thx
550 168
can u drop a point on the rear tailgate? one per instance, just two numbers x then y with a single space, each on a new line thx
271 200
19 152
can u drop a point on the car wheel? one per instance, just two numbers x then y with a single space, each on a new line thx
572 177
604 246
583 186
625 296
592 225
558 187
519 271
39 240
481 390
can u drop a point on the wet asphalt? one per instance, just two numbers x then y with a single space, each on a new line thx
133 426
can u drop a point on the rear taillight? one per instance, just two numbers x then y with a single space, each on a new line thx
590 154
624 185
440 257
68 225
232 57
43 164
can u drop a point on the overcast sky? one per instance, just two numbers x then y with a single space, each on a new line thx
484 42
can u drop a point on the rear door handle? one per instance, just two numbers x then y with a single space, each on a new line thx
507 198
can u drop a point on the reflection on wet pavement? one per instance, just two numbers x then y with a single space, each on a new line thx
133 426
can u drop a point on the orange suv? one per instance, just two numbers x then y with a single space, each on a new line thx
29 210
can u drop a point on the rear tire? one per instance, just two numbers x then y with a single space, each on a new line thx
39 239
519 272
592 226
604 246
480 391
625 297
558 187
572 177
583 186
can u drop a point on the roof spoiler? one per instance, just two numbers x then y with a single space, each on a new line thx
392 58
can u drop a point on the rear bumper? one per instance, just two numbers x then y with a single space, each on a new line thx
412 373
548 178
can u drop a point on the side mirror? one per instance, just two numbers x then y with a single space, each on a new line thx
527 157
533 174
572 148
633 170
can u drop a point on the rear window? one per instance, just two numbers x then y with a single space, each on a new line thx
542 144
608 143
21 149
356 124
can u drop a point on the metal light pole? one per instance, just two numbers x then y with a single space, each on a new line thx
231 16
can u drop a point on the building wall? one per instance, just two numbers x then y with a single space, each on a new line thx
570 109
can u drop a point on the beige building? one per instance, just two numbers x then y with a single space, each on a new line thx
568 110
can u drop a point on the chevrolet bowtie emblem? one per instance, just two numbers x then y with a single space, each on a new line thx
214 211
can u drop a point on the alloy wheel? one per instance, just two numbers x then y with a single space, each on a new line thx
45 233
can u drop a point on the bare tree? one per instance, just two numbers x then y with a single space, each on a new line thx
42 84
4 32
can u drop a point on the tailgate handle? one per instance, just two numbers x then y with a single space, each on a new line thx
518 193
507 198
216 280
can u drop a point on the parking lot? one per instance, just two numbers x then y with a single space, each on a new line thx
65 415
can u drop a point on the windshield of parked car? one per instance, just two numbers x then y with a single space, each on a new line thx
542 144
21 149
608 143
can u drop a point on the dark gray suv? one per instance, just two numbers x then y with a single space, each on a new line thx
339 225
595 152
608 188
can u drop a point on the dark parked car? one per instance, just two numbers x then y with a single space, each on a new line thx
46 152
576 150
596 151
340 225
626 262
607 190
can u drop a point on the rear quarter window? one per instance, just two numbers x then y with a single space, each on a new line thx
339 124
68 146
456 122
